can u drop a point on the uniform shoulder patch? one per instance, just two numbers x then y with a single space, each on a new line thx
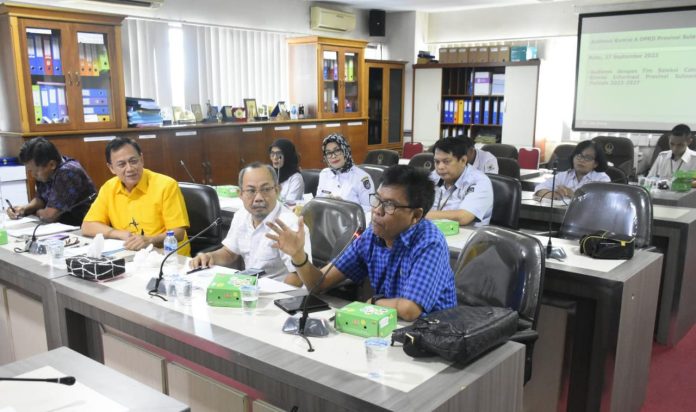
366 182
470 189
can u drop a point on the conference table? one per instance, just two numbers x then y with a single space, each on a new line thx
253 353
609 332
673 233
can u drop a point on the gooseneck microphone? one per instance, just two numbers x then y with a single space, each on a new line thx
557 253
305 314
32 245
154 290
66 380
188 172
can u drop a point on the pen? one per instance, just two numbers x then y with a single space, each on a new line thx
10 205
198 269
142 232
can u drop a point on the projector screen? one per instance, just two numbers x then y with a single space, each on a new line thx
636 70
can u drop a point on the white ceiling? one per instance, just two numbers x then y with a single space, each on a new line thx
447 5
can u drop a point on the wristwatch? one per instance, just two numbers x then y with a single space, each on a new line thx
375 298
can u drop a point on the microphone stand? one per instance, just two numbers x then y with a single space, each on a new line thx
154 291
66 380
32 245
551 252
188 172
305 314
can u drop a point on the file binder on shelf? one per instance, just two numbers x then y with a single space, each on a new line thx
36 96
486 111
477 111
498 85
48 55
467 111
57 63
482 83
39 54
31 54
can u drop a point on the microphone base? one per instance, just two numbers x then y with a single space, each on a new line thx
162 289
313 327
556 252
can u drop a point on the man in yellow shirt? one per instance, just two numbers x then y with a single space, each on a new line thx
137 205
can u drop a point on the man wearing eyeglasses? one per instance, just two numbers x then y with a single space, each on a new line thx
404 257
462 192
247 234
137 205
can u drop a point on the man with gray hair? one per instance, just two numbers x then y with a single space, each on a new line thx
247 234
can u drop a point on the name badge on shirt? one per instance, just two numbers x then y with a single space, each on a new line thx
325 192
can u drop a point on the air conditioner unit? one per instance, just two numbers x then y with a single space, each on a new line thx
136 3
331 20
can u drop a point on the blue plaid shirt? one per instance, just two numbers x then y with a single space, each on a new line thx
416 268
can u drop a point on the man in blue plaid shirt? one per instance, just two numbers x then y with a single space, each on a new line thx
404 256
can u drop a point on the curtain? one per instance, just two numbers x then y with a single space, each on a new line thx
225 65
146 60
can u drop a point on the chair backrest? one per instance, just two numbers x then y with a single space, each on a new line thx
508 167
622 209
529 157
561 154
382 157
501 150
616 175
663 144
311 180
375 172
423 160
619 151
507 198
501 267
412 149
203 207
331 224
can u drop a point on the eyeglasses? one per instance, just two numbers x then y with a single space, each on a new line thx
388 206
133 161
335 153
265 191
584 158
277 155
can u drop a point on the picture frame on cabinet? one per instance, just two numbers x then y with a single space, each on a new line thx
250 107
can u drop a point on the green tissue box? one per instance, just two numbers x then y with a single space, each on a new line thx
682 180
363 319
3 237
224 289
447 227
227 191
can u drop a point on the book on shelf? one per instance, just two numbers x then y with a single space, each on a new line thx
498 85
482 83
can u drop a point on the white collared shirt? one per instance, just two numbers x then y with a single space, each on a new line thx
355 185
472 192
293 188
255 248
569 179
485 162
664 167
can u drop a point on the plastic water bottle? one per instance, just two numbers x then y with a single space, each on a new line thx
171 266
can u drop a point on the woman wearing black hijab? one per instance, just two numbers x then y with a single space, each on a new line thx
285 162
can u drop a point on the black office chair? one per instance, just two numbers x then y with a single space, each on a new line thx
311 180
501 150
508 167
203 207
423 160
331 224
382 157
619 151
622 209
561 155
375 172
505 268
616 175
507 198
663 144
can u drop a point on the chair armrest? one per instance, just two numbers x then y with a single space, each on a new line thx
525 336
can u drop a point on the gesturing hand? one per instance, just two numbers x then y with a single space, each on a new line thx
287 240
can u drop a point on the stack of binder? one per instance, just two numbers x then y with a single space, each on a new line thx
143 112
95 104
43 51
49 103
94 58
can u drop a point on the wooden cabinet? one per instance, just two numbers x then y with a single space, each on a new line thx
385 104
327 76
62 70
494 102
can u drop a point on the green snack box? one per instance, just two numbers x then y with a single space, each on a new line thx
224 289
447 227
363 319
3 237
227 191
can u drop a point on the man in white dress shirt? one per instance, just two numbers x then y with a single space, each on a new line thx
247 234
462 193
680 157
481 159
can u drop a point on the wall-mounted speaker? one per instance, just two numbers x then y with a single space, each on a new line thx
377 22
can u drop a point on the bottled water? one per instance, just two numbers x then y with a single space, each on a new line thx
170 244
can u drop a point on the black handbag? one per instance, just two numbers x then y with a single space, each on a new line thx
607 245
458 334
